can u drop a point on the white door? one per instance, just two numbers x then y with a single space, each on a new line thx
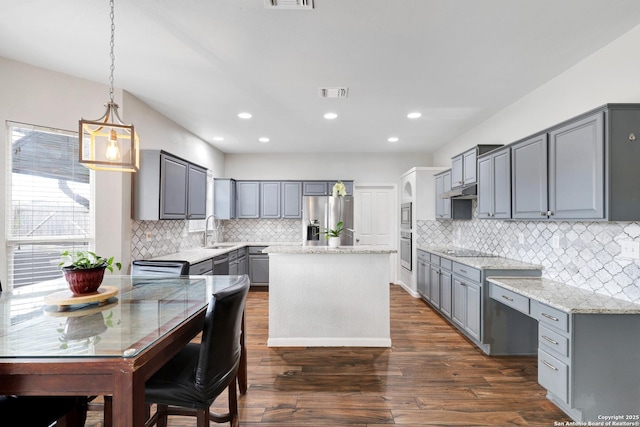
375 218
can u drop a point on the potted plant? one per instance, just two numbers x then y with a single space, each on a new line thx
333 235
84 271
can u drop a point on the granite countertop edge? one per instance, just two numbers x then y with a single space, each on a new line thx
564 297
195 255
299 249
482 263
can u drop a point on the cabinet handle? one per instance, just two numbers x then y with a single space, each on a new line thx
550 340
463 271
549 365
507 298
543 214
548 316
549 213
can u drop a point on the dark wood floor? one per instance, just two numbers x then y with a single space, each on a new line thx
431 376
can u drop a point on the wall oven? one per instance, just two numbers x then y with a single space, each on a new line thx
405 250
405 216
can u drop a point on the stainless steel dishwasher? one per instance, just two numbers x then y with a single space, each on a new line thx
221 265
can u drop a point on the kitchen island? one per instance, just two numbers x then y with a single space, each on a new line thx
321 296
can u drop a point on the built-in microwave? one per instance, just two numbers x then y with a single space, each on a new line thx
405 216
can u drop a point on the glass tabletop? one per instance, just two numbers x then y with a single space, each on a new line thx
142 311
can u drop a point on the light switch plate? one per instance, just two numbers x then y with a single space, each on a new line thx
630 249
555 242
521 238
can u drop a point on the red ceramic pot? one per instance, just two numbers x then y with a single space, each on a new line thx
84 281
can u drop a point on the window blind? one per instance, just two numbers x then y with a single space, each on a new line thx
49 202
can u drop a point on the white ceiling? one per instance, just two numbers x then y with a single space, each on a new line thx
201 62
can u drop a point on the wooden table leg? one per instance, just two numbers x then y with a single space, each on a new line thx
242 370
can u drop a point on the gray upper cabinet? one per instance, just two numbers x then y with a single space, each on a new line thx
560 174
529 178
348 186
494 185
248 199
291 199
197 199
448 208
576 169
469 167
173 187
270 199
457 173
314 188
224 198
168 187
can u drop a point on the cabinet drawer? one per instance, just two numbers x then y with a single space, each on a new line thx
446 263
435 259
510 298
553 341
423 256
552 316
468 272
553 375
201 268
241 252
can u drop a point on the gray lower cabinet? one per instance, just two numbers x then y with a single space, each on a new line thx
238 262
168 187
435 281
588 362
422 270
291 199
258 266
202 268
494 185
457 292
270 194
248 199
467 305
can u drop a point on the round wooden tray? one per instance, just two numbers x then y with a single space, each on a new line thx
66 298
79 310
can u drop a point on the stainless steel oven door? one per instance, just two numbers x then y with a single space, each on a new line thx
405 250
405 216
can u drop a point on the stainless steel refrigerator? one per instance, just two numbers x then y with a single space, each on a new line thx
320 213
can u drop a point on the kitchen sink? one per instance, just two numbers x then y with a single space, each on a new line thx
220 246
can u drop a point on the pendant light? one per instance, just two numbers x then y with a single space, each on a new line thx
108 143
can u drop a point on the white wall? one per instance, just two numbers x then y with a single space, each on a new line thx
378 168
41 97
611 75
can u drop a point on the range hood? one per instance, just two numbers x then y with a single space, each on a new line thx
466 192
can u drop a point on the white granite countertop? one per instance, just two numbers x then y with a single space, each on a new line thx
482 262
196 255
567 298
299 249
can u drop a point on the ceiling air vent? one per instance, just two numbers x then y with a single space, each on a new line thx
288 4
334 92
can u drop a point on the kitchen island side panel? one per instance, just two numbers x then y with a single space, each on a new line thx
329 299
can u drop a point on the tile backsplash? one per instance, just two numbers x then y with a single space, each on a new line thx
588 254
155 238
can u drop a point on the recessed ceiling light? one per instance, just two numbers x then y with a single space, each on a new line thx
245 115
414 115
330 116
393 139
263 139
218 138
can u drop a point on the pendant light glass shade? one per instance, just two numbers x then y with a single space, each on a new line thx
108 144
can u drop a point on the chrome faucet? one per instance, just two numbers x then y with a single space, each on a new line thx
206 229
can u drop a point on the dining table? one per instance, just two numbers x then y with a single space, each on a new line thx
54 343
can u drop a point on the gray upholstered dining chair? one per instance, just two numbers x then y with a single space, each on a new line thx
190 382
159 268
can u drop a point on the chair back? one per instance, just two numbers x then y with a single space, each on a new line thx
159 268
220 345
